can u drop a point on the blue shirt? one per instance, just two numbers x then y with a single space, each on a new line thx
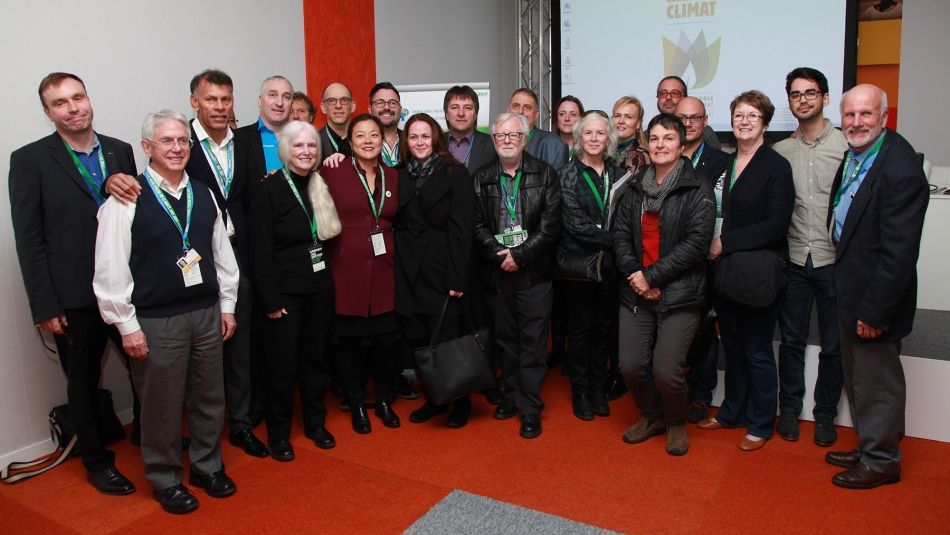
269 142
91 161
863 161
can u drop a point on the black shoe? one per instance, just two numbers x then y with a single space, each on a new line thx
176 500
615 387
461 410
788 426
494 396
504 411
282 451
580 404
385 412
110 481
863 477
360 420
530 426
245 439
426 412
322 438
216 484
599 404
825 432
844 459
697 412
404 389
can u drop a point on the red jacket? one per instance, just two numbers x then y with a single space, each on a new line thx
365 283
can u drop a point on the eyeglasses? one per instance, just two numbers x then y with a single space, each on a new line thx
385 103
694 119
514 136
669 94
344 101
167 142
751 117
809 94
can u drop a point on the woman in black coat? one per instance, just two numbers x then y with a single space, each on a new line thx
433 245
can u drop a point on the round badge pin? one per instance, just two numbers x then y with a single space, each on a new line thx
389 194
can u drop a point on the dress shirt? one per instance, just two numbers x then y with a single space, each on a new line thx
461 149
862 161
221 154
91 161
113 282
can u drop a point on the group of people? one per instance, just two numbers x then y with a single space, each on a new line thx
242 262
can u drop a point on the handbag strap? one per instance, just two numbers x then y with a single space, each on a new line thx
18 471
438 326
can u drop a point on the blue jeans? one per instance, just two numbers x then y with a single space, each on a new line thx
805 284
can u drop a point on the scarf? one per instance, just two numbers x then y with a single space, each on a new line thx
420 172
653 194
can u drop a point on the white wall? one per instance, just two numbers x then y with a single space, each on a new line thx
135 57
445 41
925 77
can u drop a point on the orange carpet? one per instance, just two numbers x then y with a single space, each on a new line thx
385 481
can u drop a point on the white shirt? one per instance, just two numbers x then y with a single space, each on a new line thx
221 153
113 282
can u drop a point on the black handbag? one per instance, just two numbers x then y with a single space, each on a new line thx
455 368
570 266
754 279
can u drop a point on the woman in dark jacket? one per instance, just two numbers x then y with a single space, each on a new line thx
433 245
584 261
663 228
757 210
294 287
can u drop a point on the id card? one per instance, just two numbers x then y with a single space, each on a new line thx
316 257
190 271
512 237
379 244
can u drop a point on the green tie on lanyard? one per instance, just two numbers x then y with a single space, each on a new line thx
86 175
511 200
601 200
225 178
846 184
372 202
163 200
293 188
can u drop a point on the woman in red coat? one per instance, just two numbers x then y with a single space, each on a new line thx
365 194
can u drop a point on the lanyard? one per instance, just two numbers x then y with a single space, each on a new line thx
845 185
293 188
369 194
336 148
391 156
601 201
531 135
93 187
511 201
225 178
468 154
699 152
163 200
734 177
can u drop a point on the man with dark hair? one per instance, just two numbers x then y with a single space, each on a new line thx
541 144
815 154
338 105
301 108
668 94
469 146
56 188
384 105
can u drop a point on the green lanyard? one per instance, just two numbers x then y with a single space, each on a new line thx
511 200
392 158
857 169
601 200
531 135
369 194
93 187
293 188
699 152
336 147
734 177
225 178
163 200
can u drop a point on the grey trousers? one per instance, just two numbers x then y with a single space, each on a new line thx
874 381
184 370
658 387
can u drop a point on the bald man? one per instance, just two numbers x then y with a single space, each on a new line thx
338 105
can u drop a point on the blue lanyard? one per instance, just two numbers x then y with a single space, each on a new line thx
225 178
166 205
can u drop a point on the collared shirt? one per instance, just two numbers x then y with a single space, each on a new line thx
91 161
461 149
269 142
862 161
113 282
221 154
814 166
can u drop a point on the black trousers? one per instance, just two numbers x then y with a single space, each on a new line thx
297 352
383 361
80 354
237 361
591 308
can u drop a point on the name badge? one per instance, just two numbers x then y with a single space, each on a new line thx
316 257
512 237
379 244
190 271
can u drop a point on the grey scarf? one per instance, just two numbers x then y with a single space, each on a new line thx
653 195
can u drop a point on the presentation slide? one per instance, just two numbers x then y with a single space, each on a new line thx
721 48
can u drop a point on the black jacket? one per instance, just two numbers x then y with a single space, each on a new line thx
540 201
687 218
584 231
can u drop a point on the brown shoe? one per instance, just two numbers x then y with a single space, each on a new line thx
709 423
676 442
844 459
643 430
862 477
751 444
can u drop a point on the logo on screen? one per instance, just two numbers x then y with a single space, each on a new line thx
704 58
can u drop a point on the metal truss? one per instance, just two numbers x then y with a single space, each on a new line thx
534 53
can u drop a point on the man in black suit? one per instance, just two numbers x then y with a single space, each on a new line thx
274 103
469 146
709 163
876 217
55 192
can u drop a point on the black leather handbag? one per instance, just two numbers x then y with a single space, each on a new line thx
754 279
455 368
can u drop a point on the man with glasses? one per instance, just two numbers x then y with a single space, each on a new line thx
166 277
541 144
384 105
815 153
275 102
668 94
517 220
338 106
703 357
55 191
